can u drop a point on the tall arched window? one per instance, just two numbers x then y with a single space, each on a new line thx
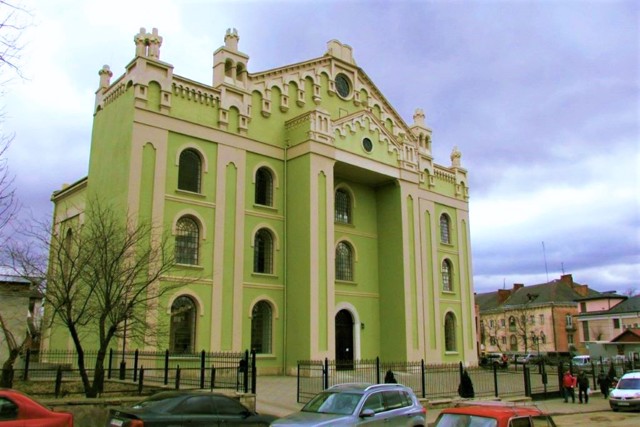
343 206
263 252
450 332
261 327
264 187
447 282
187 239
189 171
444 228
344 262
512 324
182 331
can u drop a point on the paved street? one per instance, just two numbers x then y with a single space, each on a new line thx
277 396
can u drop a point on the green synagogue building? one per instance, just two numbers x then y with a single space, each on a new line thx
312 214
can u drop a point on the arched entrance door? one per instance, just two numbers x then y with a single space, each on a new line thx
344 340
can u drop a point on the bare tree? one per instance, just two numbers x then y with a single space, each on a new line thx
103 273
492 329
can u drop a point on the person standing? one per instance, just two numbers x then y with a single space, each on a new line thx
604 382
568 387
583 387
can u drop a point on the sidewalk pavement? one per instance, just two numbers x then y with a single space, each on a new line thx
277 395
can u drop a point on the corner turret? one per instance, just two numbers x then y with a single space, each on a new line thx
229 64
148 44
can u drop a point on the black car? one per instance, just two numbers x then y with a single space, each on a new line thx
186 408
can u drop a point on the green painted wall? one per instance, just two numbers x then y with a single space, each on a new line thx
391 273
110 160
298 255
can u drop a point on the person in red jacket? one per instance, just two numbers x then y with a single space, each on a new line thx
568 387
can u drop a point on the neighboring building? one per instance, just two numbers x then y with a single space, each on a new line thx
605 318
311 213
537 318
20 311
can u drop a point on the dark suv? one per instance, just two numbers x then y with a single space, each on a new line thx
356 403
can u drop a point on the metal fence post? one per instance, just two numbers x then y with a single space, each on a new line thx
202 367
25 374
135 365
245 374
254 372
495 379
527 380
213 377
377 369
141 380
325 373
58 381
424 378
110 360
298 384
178 377
166 367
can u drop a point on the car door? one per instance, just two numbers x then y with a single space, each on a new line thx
390 409
232 413
195 411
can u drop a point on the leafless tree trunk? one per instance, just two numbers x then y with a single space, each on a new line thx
102 273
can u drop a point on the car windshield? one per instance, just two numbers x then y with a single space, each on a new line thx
629 384
464 420
333 403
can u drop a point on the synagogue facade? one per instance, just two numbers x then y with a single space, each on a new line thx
312 217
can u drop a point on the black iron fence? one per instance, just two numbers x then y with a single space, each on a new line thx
538 381
428 381
227 370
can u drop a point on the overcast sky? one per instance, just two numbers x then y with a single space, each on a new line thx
541 97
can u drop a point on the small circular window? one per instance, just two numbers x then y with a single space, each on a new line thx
367 145
343 85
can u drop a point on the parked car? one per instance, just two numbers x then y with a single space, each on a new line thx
173 408
527 358
498 359
18 409
583 363
358 404
626 394
493 414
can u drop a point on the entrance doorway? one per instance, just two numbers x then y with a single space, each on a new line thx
344 340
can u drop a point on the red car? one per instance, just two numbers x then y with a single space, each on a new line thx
19 410
493 414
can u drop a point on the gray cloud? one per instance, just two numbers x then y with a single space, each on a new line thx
542 98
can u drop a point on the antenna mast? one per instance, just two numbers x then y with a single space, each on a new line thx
544 254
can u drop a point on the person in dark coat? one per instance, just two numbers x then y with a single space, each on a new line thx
583 387
604 382
389 378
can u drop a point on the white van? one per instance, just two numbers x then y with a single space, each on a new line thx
581 361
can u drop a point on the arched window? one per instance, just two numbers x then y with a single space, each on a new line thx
447 282
450 332
261 327
183 326
187 239
264 187
263 252
513 343
444 228
343 206
344 262
189 171
512 324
